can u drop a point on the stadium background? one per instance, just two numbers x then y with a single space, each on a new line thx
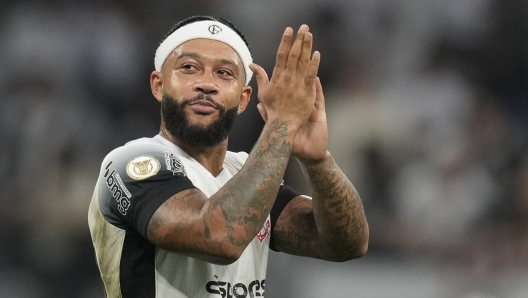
428 114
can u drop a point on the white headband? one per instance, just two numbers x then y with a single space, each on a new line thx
209 30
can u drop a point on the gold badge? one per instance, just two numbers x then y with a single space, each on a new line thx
142 167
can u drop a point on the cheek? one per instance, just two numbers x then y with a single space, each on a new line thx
178 86
234 96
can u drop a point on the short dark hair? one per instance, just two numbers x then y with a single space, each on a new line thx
193 19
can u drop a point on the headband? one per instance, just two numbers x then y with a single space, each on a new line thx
208 30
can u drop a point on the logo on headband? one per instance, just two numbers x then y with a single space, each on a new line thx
214 29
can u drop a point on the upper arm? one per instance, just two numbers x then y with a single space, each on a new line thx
296 232
134 181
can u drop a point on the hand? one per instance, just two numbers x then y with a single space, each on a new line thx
291 92
311 141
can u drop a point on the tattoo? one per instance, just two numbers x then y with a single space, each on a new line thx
248 200
297 239
338 210
245 202
332 226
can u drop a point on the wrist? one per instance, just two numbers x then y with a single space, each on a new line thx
316 162
283 126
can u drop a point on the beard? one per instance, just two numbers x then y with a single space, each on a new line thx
197 136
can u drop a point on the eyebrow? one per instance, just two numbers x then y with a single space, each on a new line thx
198 56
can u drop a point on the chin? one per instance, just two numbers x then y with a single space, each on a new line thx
202 123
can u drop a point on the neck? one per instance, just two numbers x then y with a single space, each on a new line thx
211 158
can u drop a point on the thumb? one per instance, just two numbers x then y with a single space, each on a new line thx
262 111
260 75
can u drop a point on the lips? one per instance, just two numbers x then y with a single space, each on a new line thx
203 106
203 103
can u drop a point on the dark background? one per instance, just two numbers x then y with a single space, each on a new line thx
428 114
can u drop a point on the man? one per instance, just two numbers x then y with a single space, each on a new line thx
178 215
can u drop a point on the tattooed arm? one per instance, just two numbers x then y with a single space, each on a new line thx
219 228
331 226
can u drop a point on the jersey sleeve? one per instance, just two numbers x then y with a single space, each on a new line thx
135 180
284 196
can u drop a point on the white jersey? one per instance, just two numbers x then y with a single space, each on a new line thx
133 182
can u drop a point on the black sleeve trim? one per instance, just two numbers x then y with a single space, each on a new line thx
285 195
153 203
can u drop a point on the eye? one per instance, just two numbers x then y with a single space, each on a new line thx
225 72
187 66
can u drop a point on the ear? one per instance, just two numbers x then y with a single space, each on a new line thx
244 99
156 85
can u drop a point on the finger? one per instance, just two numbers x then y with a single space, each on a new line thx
313 69
319 96
260 75
304 60
283 51
295 52
262 112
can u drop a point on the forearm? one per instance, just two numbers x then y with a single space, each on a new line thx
337 208
246 200
218 228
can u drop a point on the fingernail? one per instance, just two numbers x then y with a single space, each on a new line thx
288 30
303 28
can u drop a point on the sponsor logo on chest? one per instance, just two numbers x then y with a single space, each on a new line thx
227 290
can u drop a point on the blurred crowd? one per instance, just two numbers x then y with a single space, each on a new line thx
427 104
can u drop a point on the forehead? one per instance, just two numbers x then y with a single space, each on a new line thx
208 48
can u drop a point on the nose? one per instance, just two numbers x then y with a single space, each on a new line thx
205 84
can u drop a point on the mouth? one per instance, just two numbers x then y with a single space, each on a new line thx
203 107
205 103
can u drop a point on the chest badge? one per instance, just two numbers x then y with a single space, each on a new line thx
264 232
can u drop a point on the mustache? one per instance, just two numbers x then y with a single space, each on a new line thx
206 97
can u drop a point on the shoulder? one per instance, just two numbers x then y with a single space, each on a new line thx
139 146
146 154
136 178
